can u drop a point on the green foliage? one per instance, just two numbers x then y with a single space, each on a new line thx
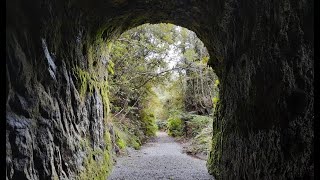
149 122
201 143
175 126
162 125
121 137
125 137
135 143
137 66
197 123
121 143
173 100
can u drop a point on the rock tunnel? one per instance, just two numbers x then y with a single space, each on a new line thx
262 52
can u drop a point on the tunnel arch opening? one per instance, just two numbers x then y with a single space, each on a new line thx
179 98
261 51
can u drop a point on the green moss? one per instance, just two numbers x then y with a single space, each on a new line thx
89 82
109 46
215 155
110 67
98 162
214 160
86 81
100 168
104 91
90 56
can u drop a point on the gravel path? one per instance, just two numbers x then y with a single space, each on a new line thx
160 159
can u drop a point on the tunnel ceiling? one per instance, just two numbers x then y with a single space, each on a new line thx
262 52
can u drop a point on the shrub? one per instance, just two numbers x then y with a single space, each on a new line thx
125 136
162 125
135 144
201 143
149 123
121 143
175 126
197 123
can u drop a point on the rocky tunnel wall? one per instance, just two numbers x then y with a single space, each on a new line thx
57 93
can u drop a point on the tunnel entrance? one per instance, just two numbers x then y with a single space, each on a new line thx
159 80
58 108
160 84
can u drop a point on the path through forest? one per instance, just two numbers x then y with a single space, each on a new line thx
161 158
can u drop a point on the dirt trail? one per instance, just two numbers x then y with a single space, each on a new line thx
160 159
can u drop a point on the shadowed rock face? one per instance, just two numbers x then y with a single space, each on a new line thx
262 52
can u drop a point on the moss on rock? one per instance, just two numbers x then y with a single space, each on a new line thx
98 163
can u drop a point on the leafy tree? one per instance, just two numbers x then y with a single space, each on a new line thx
157 72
